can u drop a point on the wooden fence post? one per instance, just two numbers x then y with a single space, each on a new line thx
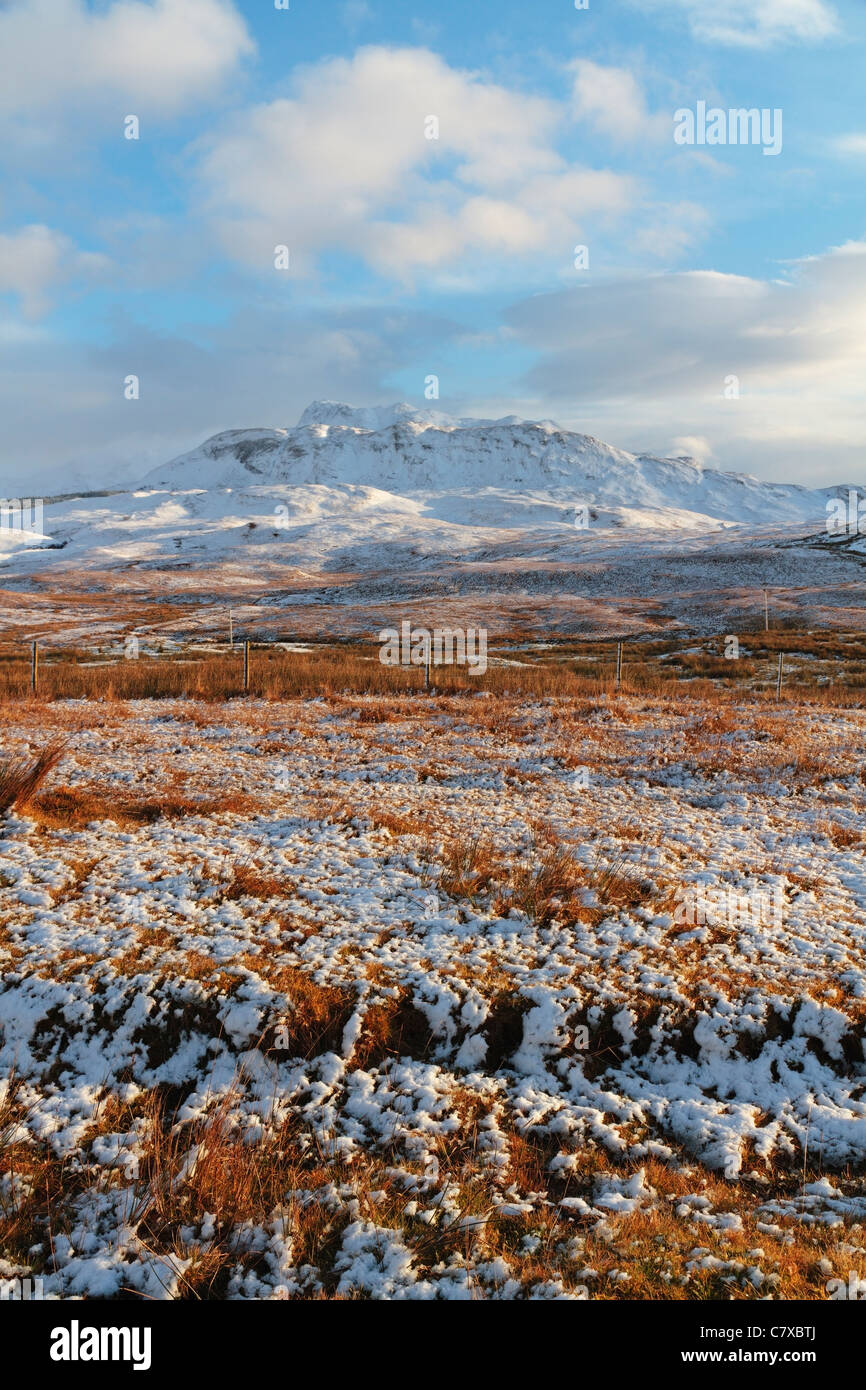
231 630
34 669
618 664
246 668
779 679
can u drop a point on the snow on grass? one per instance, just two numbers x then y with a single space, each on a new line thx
369 999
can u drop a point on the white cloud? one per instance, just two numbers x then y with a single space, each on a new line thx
60 59
611 99
853 144
668 230
754 23
688 330
693 446
640 363
344 162
644 352
65 415
35 259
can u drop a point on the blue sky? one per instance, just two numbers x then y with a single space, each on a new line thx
722 311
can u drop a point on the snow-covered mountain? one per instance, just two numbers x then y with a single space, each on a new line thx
405 452
393 491
336 525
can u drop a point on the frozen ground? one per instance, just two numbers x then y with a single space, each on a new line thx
429 957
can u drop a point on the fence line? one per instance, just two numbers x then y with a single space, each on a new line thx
608 655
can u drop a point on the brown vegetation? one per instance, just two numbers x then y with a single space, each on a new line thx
829 668
20 780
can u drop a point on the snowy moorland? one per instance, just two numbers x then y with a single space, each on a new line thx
394 998
337 524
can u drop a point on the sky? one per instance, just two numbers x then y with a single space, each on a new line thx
247 208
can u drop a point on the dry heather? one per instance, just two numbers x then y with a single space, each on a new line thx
827 668
401 997
21 779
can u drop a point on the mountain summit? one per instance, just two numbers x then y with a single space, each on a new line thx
400 449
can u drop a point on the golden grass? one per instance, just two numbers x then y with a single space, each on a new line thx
63 807
549 884
843 836
830 669
240 1182
470 868
20 780
290 1176
251 881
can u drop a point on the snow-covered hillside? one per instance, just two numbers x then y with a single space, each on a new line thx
394 500
402 450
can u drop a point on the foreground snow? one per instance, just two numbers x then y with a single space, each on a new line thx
507 1066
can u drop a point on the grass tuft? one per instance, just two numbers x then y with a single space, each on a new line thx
20 780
